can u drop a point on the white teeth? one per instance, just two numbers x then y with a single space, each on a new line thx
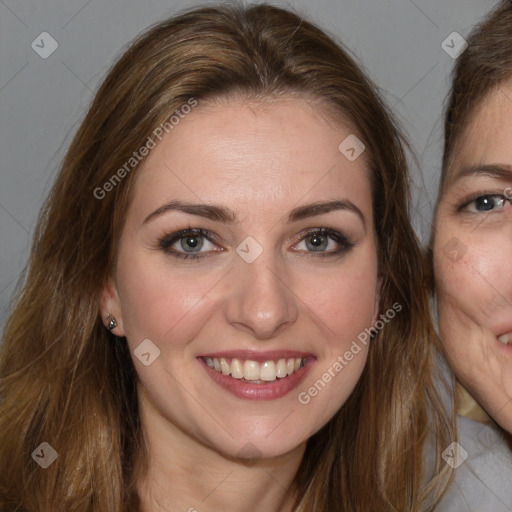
224 366
251 370
504 338
236 369
281 368
267 371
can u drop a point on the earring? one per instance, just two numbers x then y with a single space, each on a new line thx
112 324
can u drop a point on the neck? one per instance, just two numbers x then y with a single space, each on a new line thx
183 474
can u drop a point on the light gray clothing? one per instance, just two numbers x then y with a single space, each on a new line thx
483 482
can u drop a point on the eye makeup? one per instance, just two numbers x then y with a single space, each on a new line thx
176 243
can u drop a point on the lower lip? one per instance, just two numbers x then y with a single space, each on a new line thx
268 391
507 349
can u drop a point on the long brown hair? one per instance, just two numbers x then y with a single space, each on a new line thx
66 380
479 71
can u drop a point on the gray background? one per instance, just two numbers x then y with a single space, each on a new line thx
43 100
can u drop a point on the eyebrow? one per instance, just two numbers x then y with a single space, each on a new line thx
489 170
222 214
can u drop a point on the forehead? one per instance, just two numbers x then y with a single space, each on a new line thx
488 135
248 153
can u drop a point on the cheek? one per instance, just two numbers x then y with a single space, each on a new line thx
473 273
343 307
156 299
345 303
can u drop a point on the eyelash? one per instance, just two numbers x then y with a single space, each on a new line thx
464 203
167 241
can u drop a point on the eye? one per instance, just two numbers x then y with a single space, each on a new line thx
324 241
486 203
189 243
198 243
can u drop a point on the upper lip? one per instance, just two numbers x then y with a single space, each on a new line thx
503 329
252 355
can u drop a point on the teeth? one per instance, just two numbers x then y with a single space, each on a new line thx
236 369
267 371
504 338
251 370
224 366
281 368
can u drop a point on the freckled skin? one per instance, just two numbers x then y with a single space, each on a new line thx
261 161
475 292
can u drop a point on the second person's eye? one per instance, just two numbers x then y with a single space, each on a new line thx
486 203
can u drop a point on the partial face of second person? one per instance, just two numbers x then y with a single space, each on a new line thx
473 257
248 246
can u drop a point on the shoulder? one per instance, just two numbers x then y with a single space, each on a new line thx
483 471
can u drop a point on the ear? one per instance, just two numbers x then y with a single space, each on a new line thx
110 306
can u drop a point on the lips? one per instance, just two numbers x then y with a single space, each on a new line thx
256 375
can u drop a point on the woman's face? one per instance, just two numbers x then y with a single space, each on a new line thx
473 258
248 260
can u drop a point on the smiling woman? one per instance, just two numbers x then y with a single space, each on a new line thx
259 253
474 219
472 264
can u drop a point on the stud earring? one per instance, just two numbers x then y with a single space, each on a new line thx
112 324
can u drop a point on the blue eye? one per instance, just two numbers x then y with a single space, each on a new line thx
194 243
486 203
324 242
188 243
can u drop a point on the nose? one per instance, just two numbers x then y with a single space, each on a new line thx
260 301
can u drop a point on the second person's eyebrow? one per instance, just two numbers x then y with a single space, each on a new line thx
490 170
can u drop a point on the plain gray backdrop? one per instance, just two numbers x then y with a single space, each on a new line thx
42 100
